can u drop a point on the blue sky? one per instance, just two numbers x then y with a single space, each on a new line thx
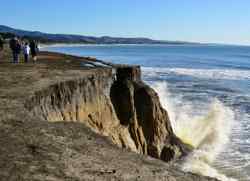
223 21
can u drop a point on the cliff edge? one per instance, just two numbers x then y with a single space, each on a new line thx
73 118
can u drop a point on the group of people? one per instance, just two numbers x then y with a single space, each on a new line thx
17 46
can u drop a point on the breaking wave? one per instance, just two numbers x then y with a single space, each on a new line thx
208 133
227 74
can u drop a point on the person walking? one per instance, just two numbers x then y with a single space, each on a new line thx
1 43
26 51
33 50
1 46
15 46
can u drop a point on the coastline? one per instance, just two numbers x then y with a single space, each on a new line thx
220 173
34 137
44 45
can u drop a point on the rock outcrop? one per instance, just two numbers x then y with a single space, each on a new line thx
65 119
138 107
113 103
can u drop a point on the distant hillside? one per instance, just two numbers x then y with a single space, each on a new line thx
66 38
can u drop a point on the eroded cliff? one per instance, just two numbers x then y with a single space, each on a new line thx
50 111
114 103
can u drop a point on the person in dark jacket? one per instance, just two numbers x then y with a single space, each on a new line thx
33 50
15 46
1 43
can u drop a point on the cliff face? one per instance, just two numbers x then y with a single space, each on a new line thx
114 103
62 119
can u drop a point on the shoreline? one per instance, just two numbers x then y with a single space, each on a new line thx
114 44
38 109
43 46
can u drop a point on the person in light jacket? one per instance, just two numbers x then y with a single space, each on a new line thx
26 52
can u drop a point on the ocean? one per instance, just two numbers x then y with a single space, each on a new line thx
206 91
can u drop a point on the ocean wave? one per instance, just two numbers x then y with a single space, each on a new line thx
208 134
242 55
226 74
62 45
94 45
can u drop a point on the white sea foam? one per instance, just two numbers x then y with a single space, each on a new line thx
92 45
43 46
227 74
208 134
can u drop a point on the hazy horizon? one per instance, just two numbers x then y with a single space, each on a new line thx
224 22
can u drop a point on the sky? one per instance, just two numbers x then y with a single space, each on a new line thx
212 21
